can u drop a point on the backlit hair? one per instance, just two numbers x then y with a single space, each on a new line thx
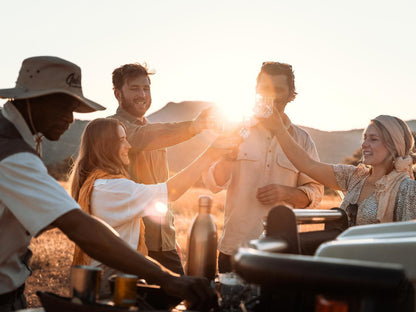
128 72
99 149
276 68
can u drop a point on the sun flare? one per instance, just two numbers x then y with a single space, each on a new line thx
232 114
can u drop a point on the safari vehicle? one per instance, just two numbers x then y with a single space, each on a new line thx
361 268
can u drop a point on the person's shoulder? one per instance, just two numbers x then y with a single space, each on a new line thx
359 171
9 147
117 116
11 142
408 184
115 184
302 136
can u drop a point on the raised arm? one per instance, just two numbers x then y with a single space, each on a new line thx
160 135
321 172
182 181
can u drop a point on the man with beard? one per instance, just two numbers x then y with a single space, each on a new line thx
260 176
48 91
149 165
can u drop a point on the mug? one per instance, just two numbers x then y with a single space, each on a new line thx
85 283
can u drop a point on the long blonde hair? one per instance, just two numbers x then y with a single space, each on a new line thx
99 149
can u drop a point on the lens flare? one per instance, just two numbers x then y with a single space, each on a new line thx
235 116
161 208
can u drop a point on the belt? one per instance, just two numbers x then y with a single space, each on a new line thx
10 297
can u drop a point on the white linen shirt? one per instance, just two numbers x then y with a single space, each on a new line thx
30 200
122 202
260 162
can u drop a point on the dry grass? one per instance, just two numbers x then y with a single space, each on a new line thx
52 251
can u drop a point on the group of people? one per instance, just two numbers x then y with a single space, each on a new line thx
121 176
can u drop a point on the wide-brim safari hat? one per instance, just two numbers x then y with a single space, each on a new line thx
43 75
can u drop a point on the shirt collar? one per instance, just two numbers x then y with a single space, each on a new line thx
129 117
12 114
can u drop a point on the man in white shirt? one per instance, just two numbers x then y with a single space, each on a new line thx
48 91
260 176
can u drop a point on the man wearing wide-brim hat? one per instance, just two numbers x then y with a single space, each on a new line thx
47 93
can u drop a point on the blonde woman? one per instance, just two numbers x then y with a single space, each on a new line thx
381 189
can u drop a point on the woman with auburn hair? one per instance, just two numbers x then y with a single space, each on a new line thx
381 188
100 183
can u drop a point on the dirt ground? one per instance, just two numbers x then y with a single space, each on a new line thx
51 262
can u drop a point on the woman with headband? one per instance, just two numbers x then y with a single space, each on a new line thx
379 190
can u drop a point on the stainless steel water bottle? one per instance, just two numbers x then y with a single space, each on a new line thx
202 242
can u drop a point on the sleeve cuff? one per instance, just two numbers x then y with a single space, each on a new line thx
210 182
315 194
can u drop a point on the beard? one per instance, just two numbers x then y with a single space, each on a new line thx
137 110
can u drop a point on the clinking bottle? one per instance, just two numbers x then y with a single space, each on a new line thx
202 242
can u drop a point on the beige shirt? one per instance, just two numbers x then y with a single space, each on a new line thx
260 162
149 165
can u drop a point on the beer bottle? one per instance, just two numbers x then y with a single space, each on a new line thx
202 242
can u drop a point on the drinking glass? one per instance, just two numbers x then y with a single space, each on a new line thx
263 107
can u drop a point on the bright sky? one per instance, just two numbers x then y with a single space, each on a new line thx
353 60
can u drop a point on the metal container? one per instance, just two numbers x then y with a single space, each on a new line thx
125 290
202 242
85 283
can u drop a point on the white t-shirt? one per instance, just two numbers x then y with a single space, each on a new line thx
30 200
122 202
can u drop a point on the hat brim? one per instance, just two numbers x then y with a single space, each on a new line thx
86 105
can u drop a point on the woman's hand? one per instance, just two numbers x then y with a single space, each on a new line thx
274 122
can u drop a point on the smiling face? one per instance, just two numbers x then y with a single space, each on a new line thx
134 96
53 114
124 146
276 87
374 151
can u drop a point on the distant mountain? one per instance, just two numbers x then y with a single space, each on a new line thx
332 146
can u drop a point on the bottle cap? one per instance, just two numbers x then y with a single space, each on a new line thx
205 201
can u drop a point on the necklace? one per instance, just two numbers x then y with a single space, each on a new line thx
38 136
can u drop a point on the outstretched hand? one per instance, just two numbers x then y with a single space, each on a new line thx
207 119
195 290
